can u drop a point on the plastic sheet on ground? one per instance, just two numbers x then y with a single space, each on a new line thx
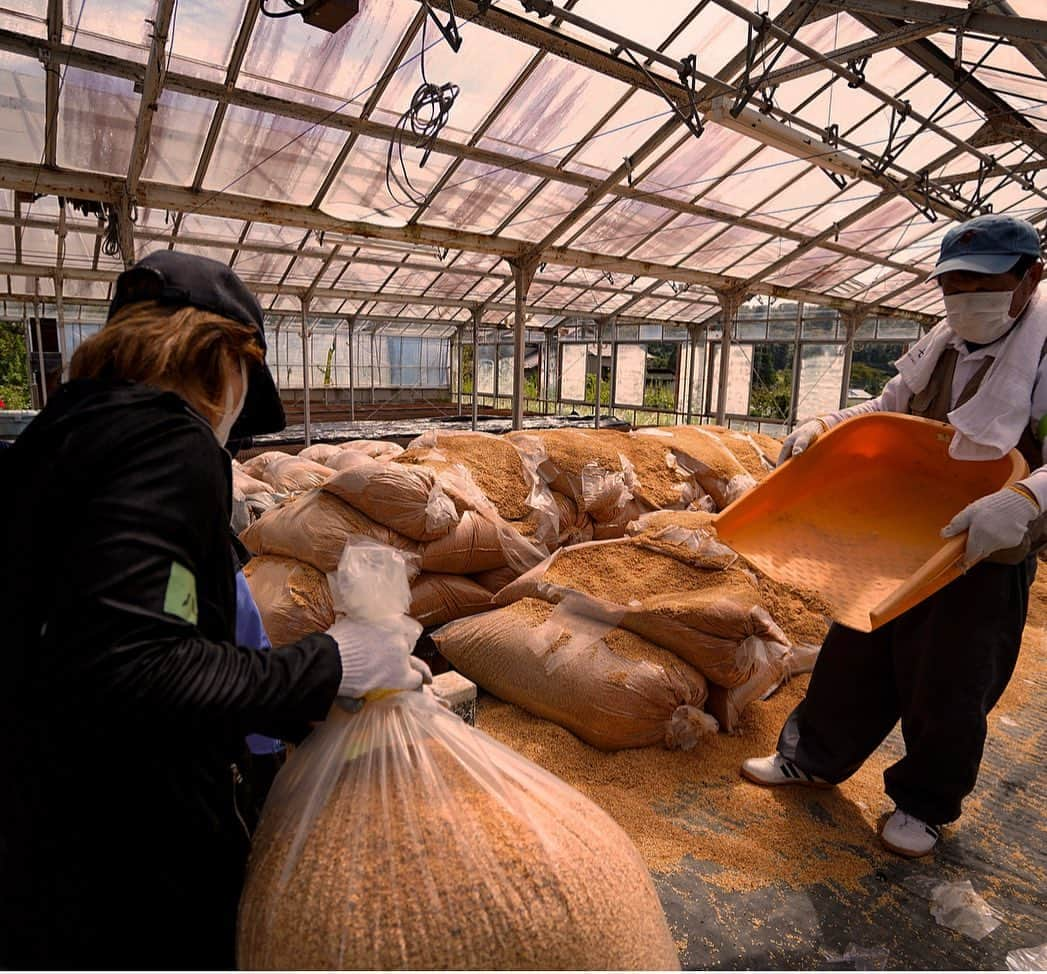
1028 959
958 907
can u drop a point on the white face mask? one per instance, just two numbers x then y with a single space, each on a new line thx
232 410
980 317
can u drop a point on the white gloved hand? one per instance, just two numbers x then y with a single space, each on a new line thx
378 657
800 439
993 523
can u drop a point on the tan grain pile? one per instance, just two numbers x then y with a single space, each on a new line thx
314 528
287 474
434 853
658 483
437 599
406 498
614 689
675 804
293 598
492 461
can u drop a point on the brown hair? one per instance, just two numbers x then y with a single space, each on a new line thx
182 349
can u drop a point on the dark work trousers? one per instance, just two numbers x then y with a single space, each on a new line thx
939 668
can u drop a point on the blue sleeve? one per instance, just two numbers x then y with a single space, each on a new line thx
250 631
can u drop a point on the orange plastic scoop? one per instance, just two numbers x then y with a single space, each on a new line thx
856 518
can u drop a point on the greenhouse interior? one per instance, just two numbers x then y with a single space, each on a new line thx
550 290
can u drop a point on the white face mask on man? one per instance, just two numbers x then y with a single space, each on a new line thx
231 410
980 317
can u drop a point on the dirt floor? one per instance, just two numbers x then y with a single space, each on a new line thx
796 878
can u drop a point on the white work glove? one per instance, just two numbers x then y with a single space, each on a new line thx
993 523
800 439
378 657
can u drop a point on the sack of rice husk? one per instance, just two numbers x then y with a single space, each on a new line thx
314 528
494 465
658 481
618 528
497 578
436 599
408 499
347 459
691 537
608 686
700 453
376 449
293 598
286 474
321 453
710 617
248 485
401 838
478 543
758 458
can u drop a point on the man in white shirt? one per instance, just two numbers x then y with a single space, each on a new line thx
941 667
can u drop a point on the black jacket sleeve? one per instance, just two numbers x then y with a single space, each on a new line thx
135 592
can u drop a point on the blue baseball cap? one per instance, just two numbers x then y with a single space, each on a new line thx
989 244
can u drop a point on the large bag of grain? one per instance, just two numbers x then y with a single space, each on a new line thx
408 499
754 451
709 616
255 466
497 578
401 838
314 528
376 449
436 599
321 453
700 453
287 474
477 543
610 687
347 459
294 599
247 484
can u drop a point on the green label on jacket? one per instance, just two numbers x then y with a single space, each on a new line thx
180 599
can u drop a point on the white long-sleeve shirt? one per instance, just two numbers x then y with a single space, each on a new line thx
896 396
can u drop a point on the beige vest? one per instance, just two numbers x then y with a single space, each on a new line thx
934 402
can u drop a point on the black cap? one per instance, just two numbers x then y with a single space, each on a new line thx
178 279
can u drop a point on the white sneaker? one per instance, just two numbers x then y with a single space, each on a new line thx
908 835
776 770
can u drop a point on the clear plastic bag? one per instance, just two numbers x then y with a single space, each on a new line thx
1028 959
372 582
401 838
958 907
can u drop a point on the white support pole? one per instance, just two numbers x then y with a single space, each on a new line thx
461 365
373 364
352 367
730 301
692 346
40 344
307 364
599 370
797 365
523 274
613 376
477 317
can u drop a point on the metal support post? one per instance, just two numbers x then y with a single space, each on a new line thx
61 233
612 322
523 274
352 368
373 344
34 399
692 354
306 366
478 314
730 302
277 355
546 355
459 336
797 365
599 370
852 322
39 344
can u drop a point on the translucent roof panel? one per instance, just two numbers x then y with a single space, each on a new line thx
29 16
623 134
179 129
479 197
202 37
289 59
276 158
110 26
97 121
22 112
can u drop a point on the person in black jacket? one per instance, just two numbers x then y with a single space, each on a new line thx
124 699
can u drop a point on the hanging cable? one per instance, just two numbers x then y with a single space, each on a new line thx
293 7
419 126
